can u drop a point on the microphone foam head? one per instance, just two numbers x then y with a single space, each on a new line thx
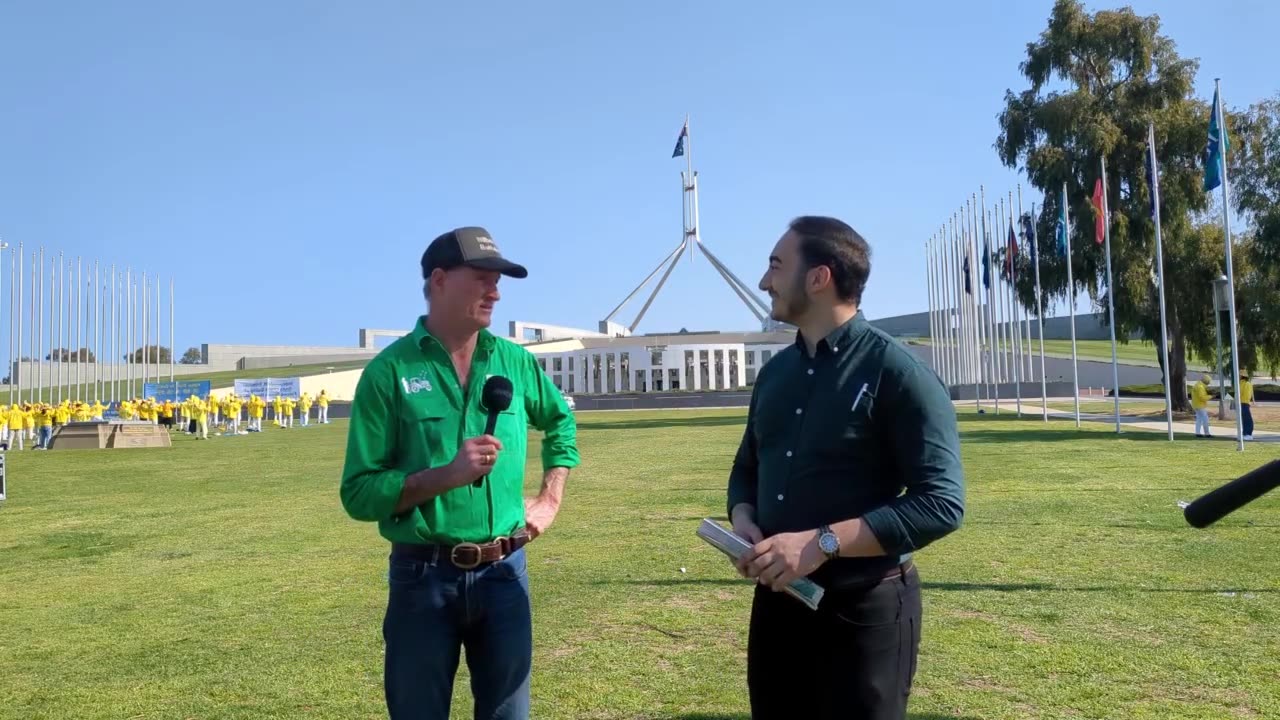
496 395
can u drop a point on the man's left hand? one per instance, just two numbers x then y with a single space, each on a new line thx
779 560
539 513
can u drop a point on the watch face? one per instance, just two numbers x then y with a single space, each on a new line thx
828 543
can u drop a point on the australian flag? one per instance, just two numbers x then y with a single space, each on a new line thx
684 133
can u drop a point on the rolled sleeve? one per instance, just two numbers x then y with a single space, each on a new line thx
371 484
926 449
549 413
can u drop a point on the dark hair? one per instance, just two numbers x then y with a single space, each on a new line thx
831 242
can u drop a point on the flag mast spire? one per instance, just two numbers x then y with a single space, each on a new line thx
690 238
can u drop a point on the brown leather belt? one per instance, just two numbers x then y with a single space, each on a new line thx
467 555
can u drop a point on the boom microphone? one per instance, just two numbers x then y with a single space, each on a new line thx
495 398
1217 504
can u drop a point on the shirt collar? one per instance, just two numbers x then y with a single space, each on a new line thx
841 336
424 339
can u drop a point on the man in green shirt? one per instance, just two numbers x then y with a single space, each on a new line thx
850 462
449 497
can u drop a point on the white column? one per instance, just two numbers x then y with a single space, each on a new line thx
740 355
697 368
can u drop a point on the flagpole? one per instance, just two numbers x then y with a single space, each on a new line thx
96 318
1231 279
22 260
1044 381
146 335
114 339
156 322
1031 371
15 292
966 302
1013 305
976 314
35 353
944 302
957 284
1111 291
928 289
172 348
1071 304
992 384
1164 326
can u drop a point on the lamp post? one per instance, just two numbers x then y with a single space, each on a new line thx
1221 304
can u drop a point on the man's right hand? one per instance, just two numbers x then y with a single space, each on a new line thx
475 458
743 518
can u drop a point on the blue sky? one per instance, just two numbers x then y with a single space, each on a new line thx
287 162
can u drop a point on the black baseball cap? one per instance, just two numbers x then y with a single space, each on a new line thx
471 246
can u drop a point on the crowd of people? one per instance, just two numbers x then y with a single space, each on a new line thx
38 422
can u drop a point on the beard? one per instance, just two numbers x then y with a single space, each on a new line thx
792 305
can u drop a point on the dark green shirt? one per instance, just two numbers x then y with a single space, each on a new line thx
861 429
410 413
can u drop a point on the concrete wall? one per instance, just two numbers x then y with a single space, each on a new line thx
286 361
216 354
1092 326
42 374
522 332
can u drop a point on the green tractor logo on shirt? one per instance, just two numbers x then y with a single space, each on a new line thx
412 386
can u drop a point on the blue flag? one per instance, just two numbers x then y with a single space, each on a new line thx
1060 229
1215 146
986 263
684 133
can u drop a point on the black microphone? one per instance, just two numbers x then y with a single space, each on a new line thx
1217 504
495 398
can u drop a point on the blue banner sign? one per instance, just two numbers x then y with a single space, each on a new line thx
176 391
269 388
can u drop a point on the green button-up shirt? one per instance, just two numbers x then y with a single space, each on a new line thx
861 429
410 413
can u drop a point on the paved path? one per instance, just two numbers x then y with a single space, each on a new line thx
1130 421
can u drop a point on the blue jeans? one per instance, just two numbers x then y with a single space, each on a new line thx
46 437
433 610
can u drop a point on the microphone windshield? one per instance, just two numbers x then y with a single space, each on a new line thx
496 395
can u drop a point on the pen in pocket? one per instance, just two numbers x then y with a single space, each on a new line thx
858 399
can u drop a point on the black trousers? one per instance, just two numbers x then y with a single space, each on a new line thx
852 658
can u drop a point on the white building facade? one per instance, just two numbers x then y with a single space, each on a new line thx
644 365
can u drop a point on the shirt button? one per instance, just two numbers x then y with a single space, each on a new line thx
810 371
835 349
779 496
788 453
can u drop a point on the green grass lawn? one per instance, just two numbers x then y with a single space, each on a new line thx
1137 352
226 377
221 579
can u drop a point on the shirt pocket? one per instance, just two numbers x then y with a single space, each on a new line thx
431 427
855 436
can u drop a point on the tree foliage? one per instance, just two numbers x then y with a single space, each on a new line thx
1254 171
1095 82
191 357
154 354
83 355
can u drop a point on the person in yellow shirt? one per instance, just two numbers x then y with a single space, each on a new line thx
214 407
232 406
257 408
17 422
287 405
98 410
323 403
1246 400
4 426
62 414
304 409
200 413
1200 404
44 421
29 415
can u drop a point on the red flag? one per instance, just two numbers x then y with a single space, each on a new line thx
1100 219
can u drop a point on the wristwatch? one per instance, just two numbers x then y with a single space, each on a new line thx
828 543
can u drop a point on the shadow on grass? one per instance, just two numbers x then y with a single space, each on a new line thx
656 423
741 716
1044 587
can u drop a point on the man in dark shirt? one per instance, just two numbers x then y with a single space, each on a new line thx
850 463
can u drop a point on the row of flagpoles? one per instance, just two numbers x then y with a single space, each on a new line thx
982 337
65 316
977 340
